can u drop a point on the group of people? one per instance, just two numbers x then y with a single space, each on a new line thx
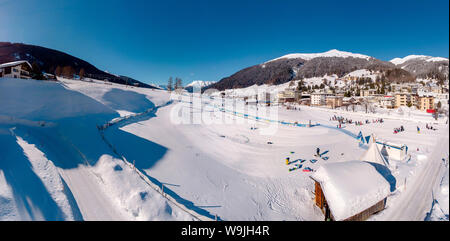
400 129
430 127
343 120
379 120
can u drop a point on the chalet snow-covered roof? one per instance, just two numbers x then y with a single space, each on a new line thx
351 187
15 63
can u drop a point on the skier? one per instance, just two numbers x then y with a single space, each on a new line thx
318 151
418 129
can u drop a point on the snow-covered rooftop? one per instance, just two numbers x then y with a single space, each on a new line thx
14 63
351 187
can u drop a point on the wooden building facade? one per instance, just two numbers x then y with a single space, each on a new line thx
321 202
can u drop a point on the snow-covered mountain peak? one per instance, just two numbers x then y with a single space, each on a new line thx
398 61
330 53
200 83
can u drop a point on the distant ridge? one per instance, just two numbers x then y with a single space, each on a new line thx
49 59
333 62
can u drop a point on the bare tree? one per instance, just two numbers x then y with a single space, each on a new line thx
81 74
438 110
180 83
68 72
169 84
58 71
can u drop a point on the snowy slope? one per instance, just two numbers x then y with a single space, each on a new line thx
398 61
66 170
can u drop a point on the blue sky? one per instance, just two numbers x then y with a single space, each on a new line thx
209 40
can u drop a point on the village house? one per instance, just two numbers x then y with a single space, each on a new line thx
342 196
18 69
353 190
319 99
334 101
402 99
369 92
349 101
288 95
426 103
386 101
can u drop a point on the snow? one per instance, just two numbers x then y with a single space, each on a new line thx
442 195
398 61
57 167
351 187
437 59
364 73
224 168
373 155
200 83
132 195
49 175
14 63
330 53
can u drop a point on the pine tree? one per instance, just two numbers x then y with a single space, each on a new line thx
36 72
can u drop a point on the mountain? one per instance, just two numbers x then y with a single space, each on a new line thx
198 84
297 66
423 66
49 59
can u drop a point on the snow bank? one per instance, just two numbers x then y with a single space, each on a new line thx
129 191
443 197
49 175
351 187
